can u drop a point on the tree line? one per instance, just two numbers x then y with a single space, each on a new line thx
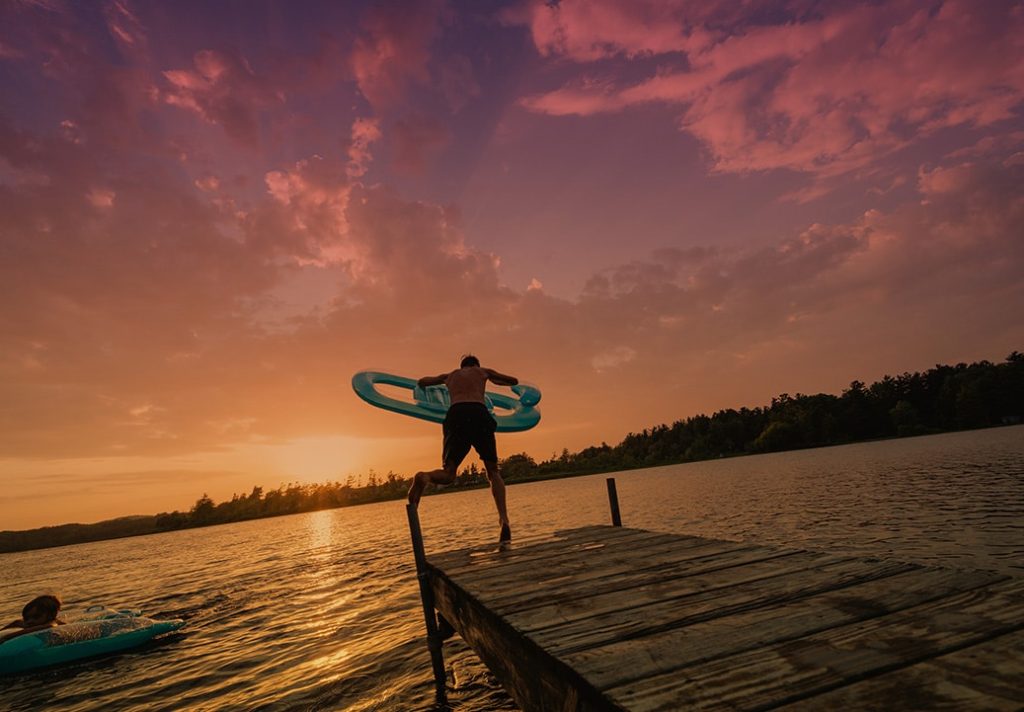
941 399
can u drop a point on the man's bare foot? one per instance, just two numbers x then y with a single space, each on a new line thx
506 534
416 488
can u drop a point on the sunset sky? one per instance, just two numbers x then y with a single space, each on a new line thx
213 214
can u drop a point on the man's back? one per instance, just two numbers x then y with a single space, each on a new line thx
467 385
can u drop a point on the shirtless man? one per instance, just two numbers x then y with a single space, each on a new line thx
467 424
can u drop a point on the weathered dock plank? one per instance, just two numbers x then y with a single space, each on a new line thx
623 555
982 677
562 543
659 593
730 635
719 594
606 618
797 669
554 583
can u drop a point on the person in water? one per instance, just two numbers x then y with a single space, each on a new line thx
467 424
39 613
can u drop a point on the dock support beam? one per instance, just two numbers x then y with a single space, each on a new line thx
613 501
434 641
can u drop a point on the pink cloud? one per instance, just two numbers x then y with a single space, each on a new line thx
581 97
1007 143
306 218
365 132
101 197
224 90
310 218
587 31
208 183
124 25
393 48
824 96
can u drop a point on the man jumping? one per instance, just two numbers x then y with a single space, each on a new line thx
467 424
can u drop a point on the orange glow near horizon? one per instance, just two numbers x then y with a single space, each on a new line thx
209 222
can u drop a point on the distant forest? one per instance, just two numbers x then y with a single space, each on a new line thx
944 398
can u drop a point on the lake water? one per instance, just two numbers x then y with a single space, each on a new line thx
321 610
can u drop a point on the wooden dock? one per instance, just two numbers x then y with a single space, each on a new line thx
611 618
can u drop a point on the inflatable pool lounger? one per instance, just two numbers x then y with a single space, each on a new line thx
111 633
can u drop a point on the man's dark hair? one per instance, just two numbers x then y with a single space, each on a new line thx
469 360
46 606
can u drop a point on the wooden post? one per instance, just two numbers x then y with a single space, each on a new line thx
613 501
434 641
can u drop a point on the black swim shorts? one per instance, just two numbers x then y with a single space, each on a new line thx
468 425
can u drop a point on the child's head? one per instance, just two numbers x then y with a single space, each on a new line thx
41 610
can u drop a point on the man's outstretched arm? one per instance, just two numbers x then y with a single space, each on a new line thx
427 381
501 379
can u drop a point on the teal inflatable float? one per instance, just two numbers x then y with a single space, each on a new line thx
512 414
101 632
